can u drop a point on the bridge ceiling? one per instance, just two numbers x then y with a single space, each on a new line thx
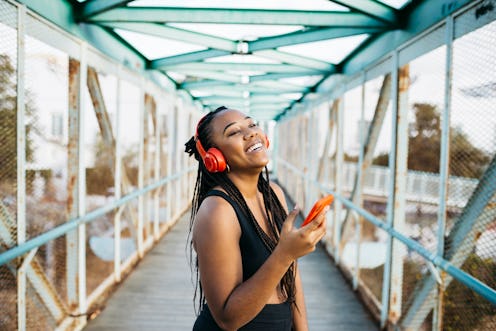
262 57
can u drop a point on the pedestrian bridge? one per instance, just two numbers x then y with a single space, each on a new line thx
388 105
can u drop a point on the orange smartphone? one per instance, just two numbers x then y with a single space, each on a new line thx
318 207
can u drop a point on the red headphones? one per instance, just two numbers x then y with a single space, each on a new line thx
213 159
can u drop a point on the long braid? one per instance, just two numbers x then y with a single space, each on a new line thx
274 211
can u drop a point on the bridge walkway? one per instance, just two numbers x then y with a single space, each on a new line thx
158 294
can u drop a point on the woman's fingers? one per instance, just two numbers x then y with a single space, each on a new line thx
290 220
296 241
318 220
317 227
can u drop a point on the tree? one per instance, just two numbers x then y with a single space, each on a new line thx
424 143
100 177
424 146
8 121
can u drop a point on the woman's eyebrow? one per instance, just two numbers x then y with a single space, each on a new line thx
232 123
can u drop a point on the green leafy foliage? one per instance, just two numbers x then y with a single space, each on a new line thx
8 121
424 146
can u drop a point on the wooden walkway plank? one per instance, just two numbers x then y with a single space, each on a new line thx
158 295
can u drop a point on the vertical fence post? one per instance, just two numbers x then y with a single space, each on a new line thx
76 239
177 181
72 175
170 141
117 181
309 161
338 176
82 187
156 195
146 161
437 323
386 280
21 164
400 178
359 183
141 170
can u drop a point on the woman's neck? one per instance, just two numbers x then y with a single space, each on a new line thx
247 184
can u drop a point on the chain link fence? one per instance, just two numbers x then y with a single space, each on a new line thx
446 85
471 242
8 161
63 144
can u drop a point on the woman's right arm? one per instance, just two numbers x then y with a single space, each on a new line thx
216 234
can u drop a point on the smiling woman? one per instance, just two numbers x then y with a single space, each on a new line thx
245 242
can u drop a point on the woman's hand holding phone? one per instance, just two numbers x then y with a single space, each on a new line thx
317 208
296 242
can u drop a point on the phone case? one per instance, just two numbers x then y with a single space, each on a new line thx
317 208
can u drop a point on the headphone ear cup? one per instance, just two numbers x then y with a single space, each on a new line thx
214 160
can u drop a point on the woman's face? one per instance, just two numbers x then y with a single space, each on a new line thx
240 139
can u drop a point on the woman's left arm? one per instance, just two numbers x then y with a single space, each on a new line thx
300 322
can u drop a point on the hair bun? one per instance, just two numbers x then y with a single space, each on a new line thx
190 148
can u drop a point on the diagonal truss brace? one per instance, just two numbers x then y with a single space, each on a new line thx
108 135
32 268
478 212
370 144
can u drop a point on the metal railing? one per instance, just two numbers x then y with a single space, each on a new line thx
421 187
24 256
436 263
69 225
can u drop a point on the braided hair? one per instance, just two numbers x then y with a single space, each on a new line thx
206 181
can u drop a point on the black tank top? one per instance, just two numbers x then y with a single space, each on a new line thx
253 255
253 251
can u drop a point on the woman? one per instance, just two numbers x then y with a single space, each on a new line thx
246 245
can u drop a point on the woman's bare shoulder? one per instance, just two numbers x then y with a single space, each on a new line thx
215 217
277 189
279 193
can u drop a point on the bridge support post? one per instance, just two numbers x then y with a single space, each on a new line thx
444 170
76 240
21 167
400 176
393 268
338 175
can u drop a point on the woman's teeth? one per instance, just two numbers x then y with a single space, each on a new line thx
254 147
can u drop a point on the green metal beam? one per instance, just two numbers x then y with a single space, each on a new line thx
294 59
279 106
276 106
253 99
61 13
371 8
210 74
259 78
306 36
417 19
235 66
201 83
213 81
182 35
252 89
93 7
278 85
236 16
186 58
269 43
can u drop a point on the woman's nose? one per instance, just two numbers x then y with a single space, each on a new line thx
250 133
